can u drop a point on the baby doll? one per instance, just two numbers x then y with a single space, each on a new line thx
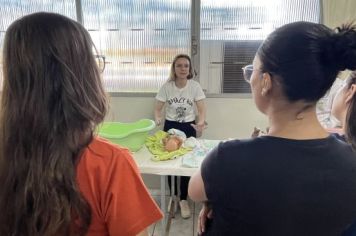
172 143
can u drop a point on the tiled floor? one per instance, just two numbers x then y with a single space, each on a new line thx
179 226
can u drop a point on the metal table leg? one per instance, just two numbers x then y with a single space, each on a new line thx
163 205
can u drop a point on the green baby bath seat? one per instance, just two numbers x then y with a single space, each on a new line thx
130 135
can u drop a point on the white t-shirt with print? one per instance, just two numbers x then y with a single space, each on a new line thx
180 101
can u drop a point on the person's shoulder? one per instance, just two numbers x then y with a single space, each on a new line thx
196 89
101 146
339 143
193 83
168 84
241 143
339 136
246 148
230 153
102 161
101 152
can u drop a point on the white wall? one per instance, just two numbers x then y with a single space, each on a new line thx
336 13
227 118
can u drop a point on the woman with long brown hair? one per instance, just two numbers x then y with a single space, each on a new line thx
344 109
57 177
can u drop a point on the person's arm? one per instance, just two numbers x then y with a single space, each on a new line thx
128 208
196 189
201 111
201 124
205 214
158 112
209 168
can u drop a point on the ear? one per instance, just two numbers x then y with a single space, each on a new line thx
266 82
350 93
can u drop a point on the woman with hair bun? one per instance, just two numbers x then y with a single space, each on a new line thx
298 179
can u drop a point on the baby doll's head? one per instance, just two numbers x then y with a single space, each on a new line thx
172 143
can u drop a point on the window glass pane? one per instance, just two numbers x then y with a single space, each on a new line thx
252 19
139 39
11 10
240 26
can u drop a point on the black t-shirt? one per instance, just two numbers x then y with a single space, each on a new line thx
276 186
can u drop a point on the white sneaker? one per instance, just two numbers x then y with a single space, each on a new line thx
184 209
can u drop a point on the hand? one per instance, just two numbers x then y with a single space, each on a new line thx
205 213
257 132
200 126
158 121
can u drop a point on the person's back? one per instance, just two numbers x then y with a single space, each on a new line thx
52 101
276 186
110 181
296 180
343 108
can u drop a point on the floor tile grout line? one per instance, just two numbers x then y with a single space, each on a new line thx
194 217
153 231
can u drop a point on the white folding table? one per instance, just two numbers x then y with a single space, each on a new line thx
163 169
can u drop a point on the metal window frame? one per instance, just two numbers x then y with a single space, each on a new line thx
194 49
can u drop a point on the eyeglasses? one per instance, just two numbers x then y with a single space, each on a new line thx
100 61
247 72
